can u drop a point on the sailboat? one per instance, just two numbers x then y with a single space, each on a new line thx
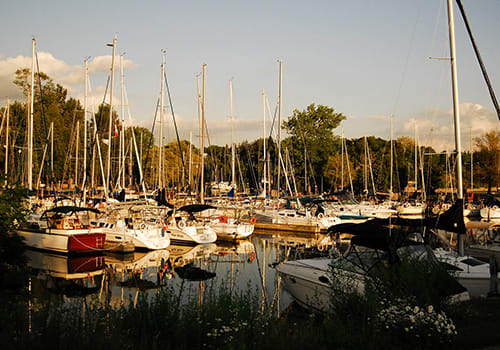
413 207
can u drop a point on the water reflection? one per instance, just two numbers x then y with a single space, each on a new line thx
67 276
197 272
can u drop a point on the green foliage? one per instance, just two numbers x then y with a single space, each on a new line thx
12 260
488 157
311 136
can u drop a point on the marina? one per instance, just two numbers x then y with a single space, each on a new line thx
283 184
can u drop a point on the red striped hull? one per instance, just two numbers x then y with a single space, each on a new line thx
86 243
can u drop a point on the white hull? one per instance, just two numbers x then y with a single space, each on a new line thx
231 229
64 241
490 213
143 236
291 217
473 274
309 281
408 209
192 234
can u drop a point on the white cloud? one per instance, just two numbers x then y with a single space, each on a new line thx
70 76
438 131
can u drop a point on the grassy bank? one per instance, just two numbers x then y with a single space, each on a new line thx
238 321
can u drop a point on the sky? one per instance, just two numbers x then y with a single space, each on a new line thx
366 59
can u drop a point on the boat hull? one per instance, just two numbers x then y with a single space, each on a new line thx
65 241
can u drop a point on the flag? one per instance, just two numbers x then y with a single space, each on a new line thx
116 130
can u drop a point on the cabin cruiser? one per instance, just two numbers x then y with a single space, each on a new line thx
64 229
373 249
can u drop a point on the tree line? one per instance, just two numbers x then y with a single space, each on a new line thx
313 157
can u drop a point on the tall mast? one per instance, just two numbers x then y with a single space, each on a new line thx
198 98
342 161
190 175
416 169
365 174
233 173
122 133
456 110
76 151
202 181
30 123
264 139
52 147
279 128
86 70
160 156
7 141
471 162
108 166
392 165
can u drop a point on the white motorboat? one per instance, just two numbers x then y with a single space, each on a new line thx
64 229
312 282
470 272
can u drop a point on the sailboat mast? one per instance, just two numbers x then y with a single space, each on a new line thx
160 153
122 134
264 141
342 161
76 151
198 99
202 150
365 174
471 162
30 123
190 175
7 141
108 165
456 110
279 129
233 173
416 169
392 165
85 124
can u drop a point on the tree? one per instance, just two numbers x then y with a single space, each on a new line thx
311 136
488 155
12 258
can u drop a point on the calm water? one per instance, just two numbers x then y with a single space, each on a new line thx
191 271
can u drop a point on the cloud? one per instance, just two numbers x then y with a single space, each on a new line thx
70 76
438 131
102 64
